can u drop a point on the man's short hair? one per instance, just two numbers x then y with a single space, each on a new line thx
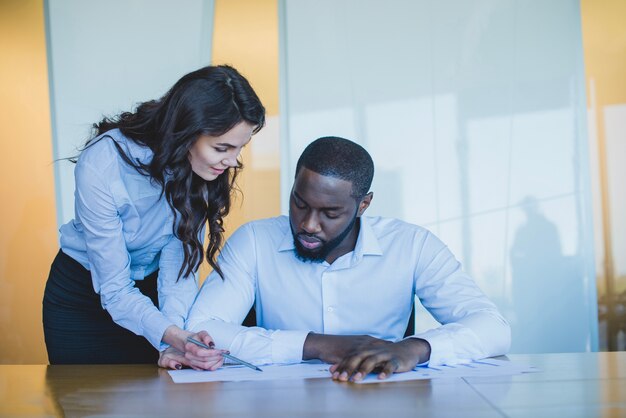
339 158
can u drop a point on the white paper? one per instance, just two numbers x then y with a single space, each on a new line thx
480 368
239 373
484 368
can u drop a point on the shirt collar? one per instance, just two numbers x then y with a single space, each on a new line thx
366 242
287 243
134 150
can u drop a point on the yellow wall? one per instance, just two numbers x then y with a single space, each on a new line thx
245 35
604 44
29 238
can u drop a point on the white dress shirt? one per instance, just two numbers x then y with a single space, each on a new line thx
122 232
367 291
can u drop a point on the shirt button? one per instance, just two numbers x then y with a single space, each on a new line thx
330 309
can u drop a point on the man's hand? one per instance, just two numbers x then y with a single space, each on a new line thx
334 348
384 359
355 356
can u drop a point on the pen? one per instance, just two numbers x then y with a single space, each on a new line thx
228 356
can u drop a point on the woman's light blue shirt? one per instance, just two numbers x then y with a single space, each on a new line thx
122 232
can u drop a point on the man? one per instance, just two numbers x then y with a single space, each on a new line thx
329 283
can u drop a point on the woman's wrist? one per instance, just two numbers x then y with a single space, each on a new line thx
176 337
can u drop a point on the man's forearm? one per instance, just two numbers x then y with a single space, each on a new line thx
334 348
313 346
418 349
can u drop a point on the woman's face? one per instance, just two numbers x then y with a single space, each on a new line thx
210 155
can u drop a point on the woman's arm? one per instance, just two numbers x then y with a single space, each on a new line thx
100 197
175 294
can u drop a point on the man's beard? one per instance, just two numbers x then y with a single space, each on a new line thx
319 255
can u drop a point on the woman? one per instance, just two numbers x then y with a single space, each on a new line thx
147 184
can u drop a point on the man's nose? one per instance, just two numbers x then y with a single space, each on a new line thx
310 224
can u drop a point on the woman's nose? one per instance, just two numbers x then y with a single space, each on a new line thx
231 160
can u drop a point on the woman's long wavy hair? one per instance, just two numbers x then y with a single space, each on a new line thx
209 101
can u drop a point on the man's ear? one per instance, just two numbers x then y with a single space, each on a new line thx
365 203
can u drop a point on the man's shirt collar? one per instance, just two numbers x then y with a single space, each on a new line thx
366 243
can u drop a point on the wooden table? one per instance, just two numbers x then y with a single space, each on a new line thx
570 385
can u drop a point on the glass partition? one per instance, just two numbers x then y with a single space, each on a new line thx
474 113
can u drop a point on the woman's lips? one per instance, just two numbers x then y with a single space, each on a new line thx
217 170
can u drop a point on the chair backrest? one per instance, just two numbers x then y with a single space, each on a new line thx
410 328
250 320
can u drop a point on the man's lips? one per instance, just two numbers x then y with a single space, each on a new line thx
310 243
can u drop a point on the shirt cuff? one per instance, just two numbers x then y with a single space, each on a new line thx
154 327
287 346
441 347
222 333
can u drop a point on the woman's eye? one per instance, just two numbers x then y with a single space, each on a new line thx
220 149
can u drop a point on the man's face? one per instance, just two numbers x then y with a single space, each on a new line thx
323 214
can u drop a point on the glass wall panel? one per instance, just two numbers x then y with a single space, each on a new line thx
474 114
105 57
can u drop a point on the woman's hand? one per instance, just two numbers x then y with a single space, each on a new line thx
176 337
200 358
183 353
171 358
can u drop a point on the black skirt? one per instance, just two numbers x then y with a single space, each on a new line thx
78 330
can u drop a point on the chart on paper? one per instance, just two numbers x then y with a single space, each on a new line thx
481 368
240 373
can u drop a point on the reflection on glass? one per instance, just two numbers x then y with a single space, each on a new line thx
474 122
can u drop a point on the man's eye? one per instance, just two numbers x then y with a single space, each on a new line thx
299 205
331 215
